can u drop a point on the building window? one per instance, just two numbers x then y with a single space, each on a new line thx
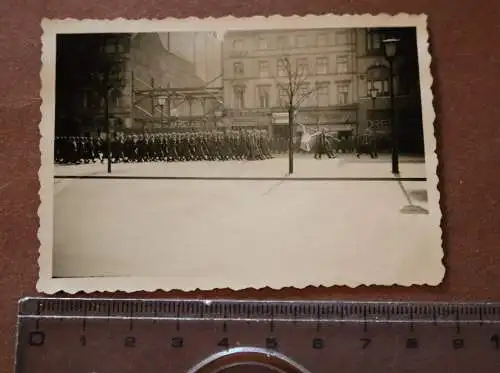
110 48
115 96
262 43
263 96
321 40
381 87
323 96
343 93
304 93
283 97
376 41
281 66
85 99
301 41
263 69
321 65
283 42
239 97
342 65
239 70
373 41
94 100
302 66
238 45
119 47
341 38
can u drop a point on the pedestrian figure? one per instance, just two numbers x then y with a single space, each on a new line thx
322 145
367 144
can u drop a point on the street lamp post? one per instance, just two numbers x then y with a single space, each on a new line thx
373 94
390 46
161 101
105 81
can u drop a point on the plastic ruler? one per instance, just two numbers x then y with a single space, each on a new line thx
62 335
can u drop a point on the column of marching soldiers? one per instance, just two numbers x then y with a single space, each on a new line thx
171 147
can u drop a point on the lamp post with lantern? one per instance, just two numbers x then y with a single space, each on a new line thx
373 94
161 102
390 49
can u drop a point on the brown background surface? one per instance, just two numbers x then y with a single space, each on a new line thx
466 68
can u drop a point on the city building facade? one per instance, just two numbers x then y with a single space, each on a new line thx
161 86
338 80
374 107
258 68
345 75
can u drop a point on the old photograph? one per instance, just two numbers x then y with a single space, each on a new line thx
235 153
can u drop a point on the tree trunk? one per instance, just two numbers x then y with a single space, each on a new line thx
290 141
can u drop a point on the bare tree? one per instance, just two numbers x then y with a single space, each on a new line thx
294 90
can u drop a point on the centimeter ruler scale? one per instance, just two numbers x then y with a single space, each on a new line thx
60 335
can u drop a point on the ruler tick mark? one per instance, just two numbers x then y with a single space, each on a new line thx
365 323
271 325
224 325
318 320
412 327
177 319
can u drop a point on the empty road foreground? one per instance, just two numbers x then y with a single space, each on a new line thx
210 233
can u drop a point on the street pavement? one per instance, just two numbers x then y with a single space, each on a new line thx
305 166
209 233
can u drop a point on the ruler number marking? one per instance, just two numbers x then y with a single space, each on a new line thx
36 338
318 343
495 339
224 342
130 341
177 342
458 343
366 342
412 343
271 343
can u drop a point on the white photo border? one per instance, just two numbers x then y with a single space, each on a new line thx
50 285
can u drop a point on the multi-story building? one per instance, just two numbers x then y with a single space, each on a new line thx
374 107
337 69
173 78
185 79
258 68
159 86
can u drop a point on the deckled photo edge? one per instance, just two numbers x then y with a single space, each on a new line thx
430 143
46 171
47 284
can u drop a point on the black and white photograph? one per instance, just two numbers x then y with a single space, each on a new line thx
236 153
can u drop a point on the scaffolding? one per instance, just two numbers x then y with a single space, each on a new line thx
168 108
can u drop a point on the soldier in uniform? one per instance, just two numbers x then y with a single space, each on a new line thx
321 144
367 144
